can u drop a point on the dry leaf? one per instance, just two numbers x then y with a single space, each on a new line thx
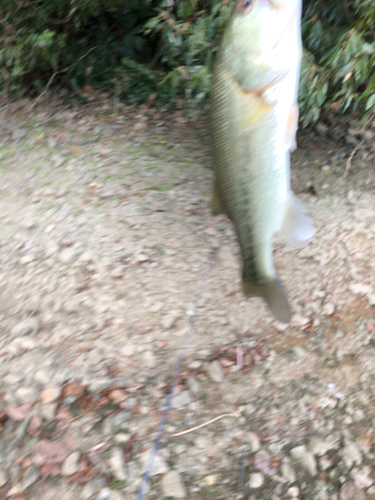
49 452
18 413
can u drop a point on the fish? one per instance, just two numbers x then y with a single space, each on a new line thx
253 121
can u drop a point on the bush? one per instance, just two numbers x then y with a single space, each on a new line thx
166 47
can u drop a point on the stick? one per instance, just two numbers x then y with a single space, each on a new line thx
234 414
349 160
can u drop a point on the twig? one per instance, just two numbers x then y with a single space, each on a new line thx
349 160
234 414
56 73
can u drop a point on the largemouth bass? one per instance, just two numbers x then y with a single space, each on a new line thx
254 119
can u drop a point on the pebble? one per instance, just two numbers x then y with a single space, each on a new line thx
262 462
71 464
351 455
181 399
215 371
306 458
256 480
293 492
169 320
19 133
30 477
319 447
26 327
117 463
3 478
349 491
288 472
209 480
172 485
254 441
26 395
328 309
194 386
51 248
67 255
361 479
26 259
160 466
360 288
149 359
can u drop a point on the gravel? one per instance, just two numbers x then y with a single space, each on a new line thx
99 264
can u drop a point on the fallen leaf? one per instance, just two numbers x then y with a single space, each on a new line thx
50 470
34 426
49 452
18 413
370 328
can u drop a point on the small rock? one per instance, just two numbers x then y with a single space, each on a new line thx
156 307
26 395
293 492
215 371
319 447
181 399
254 441
201 442
256 480
71 464
141 257
361 479
26 327
172 485
194 386
122 438
361 288
30 477
3 478
160 466
288 472
349 491
169 320
87 256
19 133
26 259
118 465
351 455
128 350
262 461
67 255
306 458
51 248
328 309
209 480
149 359
50 394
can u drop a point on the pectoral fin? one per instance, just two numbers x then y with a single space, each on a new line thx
296 228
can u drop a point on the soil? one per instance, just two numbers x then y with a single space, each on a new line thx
107 246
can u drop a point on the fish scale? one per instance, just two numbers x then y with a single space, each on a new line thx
253 112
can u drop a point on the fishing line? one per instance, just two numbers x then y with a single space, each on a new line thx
168 400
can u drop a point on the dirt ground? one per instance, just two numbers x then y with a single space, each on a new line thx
107 244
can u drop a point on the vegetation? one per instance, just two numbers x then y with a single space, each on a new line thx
165 48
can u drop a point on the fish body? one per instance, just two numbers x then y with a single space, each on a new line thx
254 119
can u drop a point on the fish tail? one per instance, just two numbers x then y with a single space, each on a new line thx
273 293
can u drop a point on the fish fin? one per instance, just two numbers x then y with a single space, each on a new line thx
296 227
291 127
273 293
217 207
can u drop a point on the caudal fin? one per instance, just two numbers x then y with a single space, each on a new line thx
273 293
